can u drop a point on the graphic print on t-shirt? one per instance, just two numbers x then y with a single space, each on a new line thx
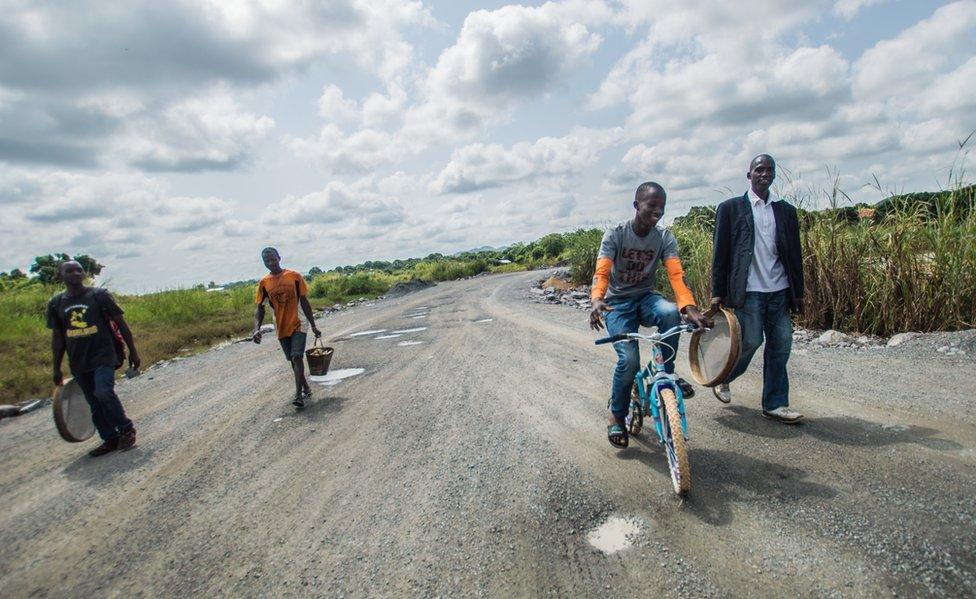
77 318
634 263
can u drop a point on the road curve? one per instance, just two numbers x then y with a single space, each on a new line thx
470 459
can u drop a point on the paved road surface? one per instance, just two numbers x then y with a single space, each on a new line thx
475 463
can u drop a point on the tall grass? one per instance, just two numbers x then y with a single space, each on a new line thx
913 268
164 324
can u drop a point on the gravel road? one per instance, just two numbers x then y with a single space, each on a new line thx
475 463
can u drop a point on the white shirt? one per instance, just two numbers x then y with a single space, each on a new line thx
766 273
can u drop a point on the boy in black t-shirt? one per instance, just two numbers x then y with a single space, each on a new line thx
81 320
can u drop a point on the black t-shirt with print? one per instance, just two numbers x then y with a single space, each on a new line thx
82 320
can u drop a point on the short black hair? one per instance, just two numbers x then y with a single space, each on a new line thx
270 249
761 157
649 187
66 262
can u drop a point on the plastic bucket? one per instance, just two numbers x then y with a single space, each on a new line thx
319 358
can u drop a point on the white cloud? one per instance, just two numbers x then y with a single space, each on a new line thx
335 107
481 166
210 133
904 65
501 58
342 152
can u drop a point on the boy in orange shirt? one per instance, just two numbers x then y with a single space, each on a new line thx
285 290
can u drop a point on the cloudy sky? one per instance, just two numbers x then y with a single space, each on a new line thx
172 140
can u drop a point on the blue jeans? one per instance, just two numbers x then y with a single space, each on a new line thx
107 412
767 314
648 310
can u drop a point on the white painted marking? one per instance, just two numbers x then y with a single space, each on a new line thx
616 534
406 343
416 330
387 336
373 332
334 377
421 316
485 320
277 420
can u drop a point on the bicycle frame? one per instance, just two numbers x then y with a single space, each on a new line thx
654 371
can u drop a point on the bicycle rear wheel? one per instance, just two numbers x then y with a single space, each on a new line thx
674 443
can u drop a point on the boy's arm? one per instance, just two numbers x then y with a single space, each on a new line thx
114 313
57 350
57 343
601 280
258 314
682 294
307 309
134 360
679 284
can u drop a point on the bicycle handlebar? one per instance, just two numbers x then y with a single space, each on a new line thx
681 328
611 339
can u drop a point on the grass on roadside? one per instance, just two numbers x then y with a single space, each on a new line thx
165 324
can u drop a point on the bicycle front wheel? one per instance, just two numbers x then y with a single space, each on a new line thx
674 443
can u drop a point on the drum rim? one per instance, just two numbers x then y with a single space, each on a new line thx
736 344
59 422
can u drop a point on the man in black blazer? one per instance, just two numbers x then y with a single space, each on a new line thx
757 271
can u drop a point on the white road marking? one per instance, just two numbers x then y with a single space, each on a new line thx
373 332
416 330
387 336
485 320
334 377
406 343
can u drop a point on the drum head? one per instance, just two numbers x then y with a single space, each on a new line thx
72 415
713 353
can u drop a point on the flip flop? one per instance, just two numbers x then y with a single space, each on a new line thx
617 435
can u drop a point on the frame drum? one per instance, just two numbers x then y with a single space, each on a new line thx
713 353
72 415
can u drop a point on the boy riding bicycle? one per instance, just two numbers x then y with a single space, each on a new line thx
624 295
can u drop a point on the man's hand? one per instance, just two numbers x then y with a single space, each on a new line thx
134 360
695 317
316 331
798 305
256 336
596 314
717 302
58 378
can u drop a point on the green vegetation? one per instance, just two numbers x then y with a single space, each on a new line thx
165 324
908 263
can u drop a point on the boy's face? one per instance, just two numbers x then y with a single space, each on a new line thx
272 260
72 273
650 208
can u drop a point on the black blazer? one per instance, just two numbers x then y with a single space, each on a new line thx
734 241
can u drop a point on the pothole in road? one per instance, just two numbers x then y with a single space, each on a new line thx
334 377
616 534
415 330
406 343
372 332
393 336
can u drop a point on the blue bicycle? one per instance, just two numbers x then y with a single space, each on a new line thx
658 395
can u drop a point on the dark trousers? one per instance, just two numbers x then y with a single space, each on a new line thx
767 315
107 412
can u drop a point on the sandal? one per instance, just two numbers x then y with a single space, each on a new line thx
617 435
